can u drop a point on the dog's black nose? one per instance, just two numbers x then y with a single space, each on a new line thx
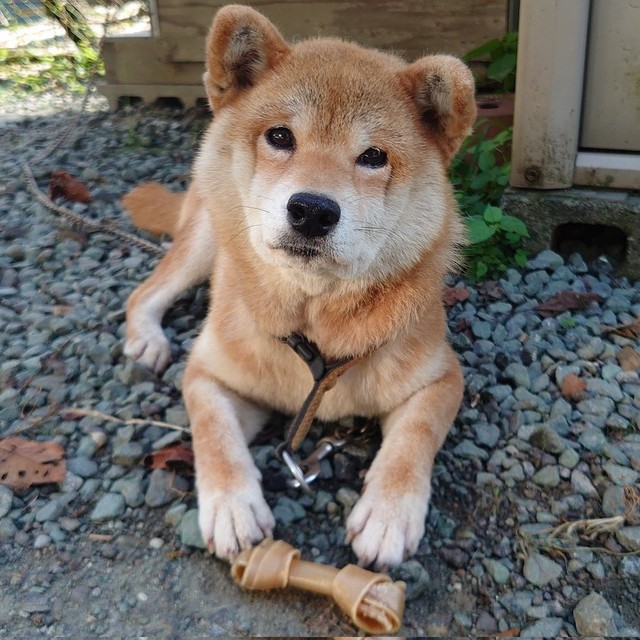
312 215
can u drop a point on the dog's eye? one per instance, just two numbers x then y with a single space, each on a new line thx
281 138
372 157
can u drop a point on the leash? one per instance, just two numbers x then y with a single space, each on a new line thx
325 375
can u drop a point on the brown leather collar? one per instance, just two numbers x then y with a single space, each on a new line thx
325 375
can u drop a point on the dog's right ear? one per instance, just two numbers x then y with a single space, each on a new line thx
241 46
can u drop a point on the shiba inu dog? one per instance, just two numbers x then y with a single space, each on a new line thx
320 205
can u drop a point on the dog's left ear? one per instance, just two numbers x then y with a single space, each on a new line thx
242 46
443 90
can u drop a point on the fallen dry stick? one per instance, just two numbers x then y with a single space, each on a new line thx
371 600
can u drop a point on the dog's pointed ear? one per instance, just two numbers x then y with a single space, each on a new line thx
443 90
241 46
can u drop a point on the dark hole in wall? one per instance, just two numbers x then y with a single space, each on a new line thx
591 241
128 101
169 103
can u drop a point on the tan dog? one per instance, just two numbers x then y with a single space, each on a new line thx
320 202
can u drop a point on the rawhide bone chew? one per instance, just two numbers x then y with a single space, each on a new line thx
371 600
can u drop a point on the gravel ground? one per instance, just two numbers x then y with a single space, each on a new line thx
115 550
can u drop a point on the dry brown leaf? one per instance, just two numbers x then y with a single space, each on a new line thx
629 358
451 295
175 457
566 301
631 331
64 185
24 463
572 385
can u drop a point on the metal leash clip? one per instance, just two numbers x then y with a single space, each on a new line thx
309 469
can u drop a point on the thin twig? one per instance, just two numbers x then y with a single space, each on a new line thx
92 413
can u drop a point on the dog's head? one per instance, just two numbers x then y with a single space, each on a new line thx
338 154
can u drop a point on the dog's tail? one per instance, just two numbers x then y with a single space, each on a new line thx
154 208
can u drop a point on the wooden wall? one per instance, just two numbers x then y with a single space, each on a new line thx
174 56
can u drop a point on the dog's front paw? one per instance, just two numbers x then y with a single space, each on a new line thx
150 349
233 521
386 529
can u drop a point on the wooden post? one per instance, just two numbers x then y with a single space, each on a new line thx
552 51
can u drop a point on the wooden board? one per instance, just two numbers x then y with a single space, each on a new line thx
408 27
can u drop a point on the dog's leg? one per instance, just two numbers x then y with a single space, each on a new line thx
233 514
387 523
187 262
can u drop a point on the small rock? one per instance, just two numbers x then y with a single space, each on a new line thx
540 570
163 488
629 566
156 543
6 499
547 477
347 498
83 467
109 507
569 458
629 538
174 514
582 485
613 502
545 628
127 454
416 578
547 439
131 490
546 259
603 388
594 617
466 449
42 541
35 603
518 374
288 511
486 434
497 570
481 329
620 475
486 623
189 530
51 511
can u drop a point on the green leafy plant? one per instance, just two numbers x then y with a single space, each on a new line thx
503 55
480 174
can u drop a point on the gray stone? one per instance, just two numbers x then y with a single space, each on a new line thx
189 530
109 507
51 511
35 603
592 439
6 499
592 349
540 570
127 454
629 566
486 434
466 449
415 576
594 617
163 488
613 502
7 529
546 259
481 329
569 458
347 498
629 538
547 439
174 514
600 406
497 570
486 623
130 489
582 485
620 475
288 511
518 374
603 388
547 477
42 541
83 467
177 416
545 628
